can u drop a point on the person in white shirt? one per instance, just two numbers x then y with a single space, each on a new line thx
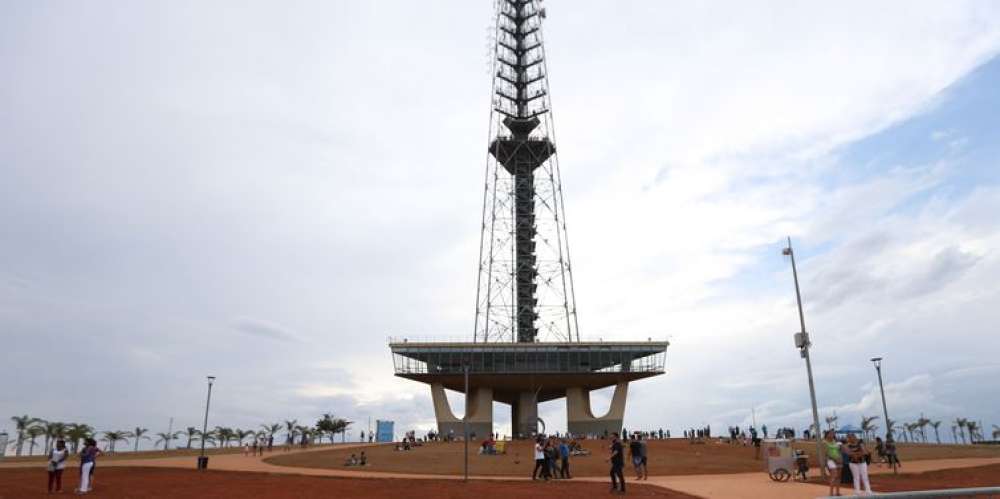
539 460
57 463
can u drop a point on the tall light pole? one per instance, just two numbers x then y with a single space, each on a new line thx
803 343
465 419
885 411
202 460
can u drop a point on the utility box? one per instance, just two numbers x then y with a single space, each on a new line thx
801 340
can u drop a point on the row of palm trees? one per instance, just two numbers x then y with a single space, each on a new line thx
916 431
30 429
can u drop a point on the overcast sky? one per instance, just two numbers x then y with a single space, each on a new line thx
265 191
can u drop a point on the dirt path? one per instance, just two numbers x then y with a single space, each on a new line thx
754 485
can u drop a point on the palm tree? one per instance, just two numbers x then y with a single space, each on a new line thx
867 426
242 434
935 425
76 432
224 435
21 424
954 433
890 427
271 429
304 431
53 430
290 429
831 421
191 433
960 423
111 437
921 424
996 432
166 438
973 431
33 432
139 433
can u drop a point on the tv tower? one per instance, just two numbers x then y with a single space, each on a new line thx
525 286
526 345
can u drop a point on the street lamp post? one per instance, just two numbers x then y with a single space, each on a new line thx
465 419
885 411
803 343
202 460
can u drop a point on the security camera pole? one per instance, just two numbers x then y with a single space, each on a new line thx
803 343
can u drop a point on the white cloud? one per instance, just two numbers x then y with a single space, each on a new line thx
326 180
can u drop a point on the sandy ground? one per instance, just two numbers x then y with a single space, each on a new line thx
666 458
944 478
754 485
157 483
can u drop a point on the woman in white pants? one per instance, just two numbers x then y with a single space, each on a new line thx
88 456
859 466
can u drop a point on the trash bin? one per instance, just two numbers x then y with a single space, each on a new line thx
202 462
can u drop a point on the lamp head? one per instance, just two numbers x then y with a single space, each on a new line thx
786 251
211 379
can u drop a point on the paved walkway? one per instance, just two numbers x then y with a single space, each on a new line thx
735 485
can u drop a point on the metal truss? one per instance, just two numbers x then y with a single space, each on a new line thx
525 285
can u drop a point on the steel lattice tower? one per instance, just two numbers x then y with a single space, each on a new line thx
525 285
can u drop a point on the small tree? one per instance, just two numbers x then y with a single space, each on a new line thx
291 429
192 433
935 425
139 433
21 425
961 422
111 437
868 427
33 432
165 438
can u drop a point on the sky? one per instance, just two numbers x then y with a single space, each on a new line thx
266 192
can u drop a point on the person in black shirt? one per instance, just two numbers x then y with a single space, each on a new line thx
617 460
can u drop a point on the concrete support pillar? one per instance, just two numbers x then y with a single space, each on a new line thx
524 415
480 416
581 419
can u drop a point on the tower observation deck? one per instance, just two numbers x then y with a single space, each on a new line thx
526 345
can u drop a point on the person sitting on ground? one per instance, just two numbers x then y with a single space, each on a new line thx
363 460
351 461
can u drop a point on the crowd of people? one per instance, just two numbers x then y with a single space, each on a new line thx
255 447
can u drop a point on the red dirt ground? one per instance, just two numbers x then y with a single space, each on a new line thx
979 476
666 457
955 478
158 483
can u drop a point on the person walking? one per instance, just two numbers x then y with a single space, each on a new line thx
539 460
643 448
617 460
564 459
57 463
550 463
856 453
832 449
88 458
